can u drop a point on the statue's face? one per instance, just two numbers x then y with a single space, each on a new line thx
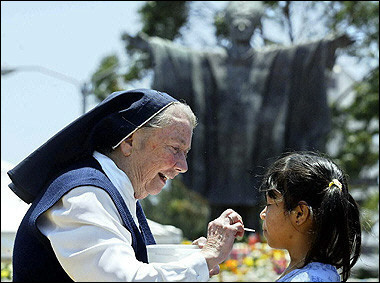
242 27
242 18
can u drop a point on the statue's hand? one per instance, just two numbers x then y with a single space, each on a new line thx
342 41
140 41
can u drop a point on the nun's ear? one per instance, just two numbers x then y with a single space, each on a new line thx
126 146
129 140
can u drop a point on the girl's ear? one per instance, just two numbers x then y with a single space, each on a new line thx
126 146
300 214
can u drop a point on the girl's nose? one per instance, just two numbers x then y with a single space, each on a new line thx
263 214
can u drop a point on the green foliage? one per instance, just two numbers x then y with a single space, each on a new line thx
181 207
160 18
369 210
105 80
357 125
360 18
372 203
221 28
164 18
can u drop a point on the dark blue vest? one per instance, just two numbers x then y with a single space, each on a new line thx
33 256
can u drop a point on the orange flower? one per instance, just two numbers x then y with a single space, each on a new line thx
231 265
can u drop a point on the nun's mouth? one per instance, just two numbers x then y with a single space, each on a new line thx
163 177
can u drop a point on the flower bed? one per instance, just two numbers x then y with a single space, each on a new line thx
252 261
6 271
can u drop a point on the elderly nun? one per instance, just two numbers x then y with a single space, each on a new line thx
85 222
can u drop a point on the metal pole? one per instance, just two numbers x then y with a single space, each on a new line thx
35 68
85 88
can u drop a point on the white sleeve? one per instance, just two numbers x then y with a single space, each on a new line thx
85 231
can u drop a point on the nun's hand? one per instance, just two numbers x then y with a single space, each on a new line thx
201 242
221 234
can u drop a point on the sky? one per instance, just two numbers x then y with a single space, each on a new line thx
63 36
67 37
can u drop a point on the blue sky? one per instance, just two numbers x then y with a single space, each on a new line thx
67 37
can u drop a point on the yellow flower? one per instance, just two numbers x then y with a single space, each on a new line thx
5 273
248 261
278 254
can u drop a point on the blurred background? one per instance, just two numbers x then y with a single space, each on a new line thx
60 58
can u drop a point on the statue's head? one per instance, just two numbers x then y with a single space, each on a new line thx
242 18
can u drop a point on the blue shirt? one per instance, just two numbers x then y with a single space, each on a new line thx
312 272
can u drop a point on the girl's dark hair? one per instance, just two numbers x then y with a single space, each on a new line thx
305 176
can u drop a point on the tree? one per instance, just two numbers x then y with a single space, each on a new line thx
357 124
160 18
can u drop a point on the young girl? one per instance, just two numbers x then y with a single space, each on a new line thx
310 213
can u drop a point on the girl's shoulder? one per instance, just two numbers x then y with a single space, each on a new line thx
313 272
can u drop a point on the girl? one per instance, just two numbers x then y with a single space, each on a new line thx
310 213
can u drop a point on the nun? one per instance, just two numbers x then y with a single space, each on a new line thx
85 222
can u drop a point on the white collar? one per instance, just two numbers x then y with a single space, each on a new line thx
120 180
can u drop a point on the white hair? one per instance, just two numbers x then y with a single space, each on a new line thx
165 117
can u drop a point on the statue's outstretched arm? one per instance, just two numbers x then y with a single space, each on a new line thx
341 41
335 42
140 41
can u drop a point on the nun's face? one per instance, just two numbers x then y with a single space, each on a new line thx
158 154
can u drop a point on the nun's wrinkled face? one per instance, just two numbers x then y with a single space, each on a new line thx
157 155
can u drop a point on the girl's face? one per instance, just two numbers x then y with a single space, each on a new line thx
277 226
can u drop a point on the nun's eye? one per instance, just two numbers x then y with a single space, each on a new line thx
175 149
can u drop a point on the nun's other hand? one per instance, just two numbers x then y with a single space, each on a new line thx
214 271
201 242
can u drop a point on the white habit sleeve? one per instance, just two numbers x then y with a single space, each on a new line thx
91 244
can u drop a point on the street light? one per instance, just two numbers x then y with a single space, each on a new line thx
84 88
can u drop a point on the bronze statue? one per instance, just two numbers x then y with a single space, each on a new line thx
252 105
